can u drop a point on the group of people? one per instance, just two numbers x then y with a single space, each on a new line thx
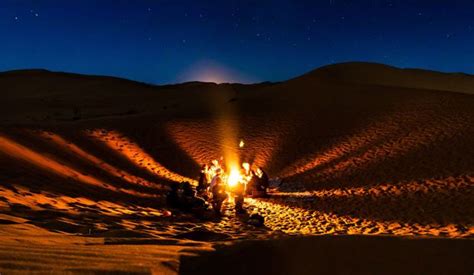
216 184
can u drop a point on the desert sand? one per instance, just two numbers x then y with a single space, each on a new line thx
373 169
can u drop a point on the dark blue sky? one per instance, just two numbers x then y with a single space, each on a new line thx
245 41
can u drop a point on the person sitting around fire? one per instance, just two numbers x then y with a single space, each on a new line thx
189 199
252 183
173 197
215 165
258 184
263 182
204 182
246 172
212 169
182 196
218 191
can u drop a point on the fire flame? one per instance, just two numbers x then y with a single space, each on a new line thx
234 177
242 143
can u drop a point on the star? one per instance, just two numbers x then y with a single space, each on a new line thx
16 18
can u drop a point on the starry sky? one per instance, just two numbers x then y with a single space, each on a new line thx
169 41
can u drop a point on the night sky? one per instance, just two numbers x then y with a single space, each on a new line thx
238 41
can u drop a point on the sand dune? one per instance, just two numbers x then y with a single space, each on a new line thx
383 75
361 149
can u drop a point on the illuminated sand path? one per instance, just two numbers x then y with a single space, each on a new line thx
18 151
136 155
114 171
49 164
70 205
294 220
431 133
380 140
370 135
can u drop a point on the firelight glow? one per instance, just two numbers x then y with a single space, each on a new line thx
234 177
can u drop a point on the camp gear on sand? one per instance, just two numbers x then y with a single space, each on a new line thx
256 220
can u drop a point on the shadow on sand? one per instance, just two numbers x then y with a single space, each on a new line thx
336 255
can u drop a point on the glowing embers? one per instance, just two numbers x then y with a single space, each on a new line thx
132 151
73 148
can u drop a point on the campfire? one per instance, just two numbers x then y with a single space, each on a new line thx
234 177
228 179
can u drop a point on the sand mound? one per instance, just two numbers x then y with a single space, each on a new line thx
383 75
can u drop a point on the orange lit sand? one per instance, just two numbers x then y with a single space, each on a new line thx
135 154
